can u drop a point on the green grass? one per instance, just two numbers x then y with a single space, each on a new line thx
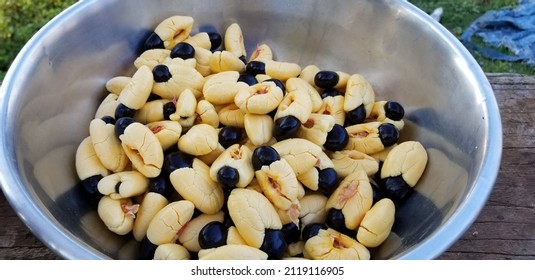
19 21
459 14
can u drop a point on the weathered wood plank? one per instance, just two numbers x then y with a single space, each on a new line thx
515 95
16 240
505 228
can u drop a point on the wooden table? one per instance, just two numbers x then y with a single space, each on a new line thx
505 229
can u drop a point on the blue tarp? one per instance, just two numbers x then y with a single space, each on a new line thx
513 29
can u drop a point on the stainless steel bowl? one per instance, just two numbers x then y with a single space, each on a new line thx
54 86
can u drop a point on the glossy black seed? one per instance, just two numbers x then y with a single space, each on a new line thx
212 235
335 219
182 50
356 116
90 184
229 135
255 67
248 79
122 111
286 127
291 233
153 42
161 73
243 59
388 134
176 160
337 138
108 119
228 176
311 230
118 187
121 124
215 40
161 185
326 79
169 108
274 244
395 188
279 84
394 110
327 181
146 249
330 92
264 155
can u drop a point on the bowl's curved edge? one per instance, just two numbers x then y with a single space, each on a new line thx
62 243
468 211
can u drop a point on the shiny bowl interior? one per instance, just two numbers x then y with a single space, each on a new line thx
54 86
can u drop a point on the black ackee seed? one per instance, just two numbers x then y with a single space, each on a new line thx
118 187
311 230
327 181
215 40
274 244
248 79
279 84
243 59
229 135
153 42
122 111
388 134
330 92
169 108
326 79
395 188
394 110
286 127
291 233
146 249
228 176
337 138
161 185
90 184
335 219
121 124
255 68
264 155
161 73
108 119
356 116
182 50
176 160
212 235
